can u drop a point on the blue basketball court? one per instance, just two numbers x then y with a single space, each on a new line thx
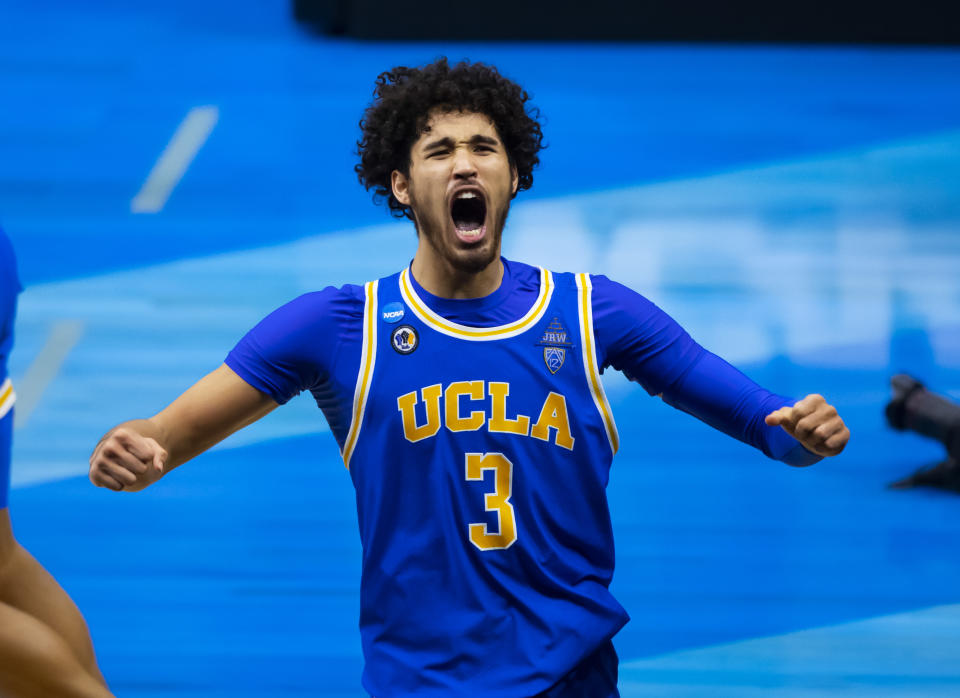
171 172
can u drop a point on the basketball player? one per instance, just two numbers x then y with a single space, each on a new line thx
45 647
464 393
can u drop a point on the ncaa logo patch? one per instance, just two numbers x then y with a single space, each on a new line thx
392 312
404 339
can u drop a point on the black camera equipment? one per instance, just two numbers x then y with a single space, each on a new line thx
914 408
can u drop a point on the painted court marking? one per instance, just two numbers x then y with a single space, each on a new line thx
175 159
897 656
63 338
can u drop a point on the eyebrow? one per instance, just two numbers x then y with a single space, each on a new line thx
447 142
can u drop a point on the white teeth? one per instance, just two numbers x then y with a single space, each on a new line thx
466 195
470 233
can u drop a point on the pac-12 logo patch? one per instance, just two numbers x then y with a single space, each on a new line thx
404 339
555 344
554 357
392 312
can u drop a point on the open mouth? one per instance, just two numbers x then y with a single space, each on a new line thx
468 211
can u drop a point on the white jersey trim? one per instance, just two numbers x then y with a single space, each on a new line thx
479 334
368 357
7 397
591 368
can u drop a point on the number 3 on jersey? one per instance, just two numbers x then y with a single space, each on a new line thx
498 501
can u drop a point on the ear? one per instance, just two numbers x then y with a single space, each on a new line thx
401 187
515 179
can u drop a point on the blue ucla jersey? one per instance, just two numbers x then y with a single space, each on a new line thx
480 457
479 442
9 287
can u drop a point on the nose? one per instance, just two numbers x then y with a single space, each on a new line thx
463 164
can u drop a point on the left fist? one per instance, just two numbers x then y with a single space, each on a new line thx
814 423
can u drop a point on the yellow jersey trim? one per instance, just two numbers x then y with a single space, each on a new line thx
368 357
481 334
592 370
7 397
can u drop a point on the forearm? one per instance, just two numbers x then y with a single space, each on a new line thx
179 444
649 347
214 407
718 394
138 452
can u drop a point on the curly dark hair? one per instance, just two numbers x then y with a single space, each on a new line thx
403 100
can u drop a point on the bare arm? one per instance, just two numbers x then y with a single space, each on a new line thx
137 453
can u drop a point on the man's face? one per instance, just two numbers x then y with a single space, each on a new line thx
459 186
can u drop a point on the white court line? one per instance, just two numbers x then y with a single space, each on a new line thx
63 338
905 655
175 159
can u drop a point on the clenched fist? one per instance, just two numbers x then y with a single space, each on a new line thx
126 460
814 423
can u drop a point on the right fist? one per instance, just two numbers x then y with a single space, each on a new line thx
126 461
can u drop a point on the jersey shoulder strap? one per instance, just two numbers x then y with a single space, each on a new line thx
368 356
588 346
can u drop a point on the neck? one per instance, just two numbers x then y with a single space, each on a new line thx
442 279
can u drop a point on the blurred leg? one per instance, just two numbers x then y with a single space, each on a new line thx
27 588
35 662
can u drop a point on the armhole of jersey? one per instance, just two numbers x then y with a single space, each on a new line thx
590 366
7 397
368 357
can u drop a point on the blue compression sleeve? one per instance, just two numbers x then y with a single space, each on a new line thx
716 393
639 339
